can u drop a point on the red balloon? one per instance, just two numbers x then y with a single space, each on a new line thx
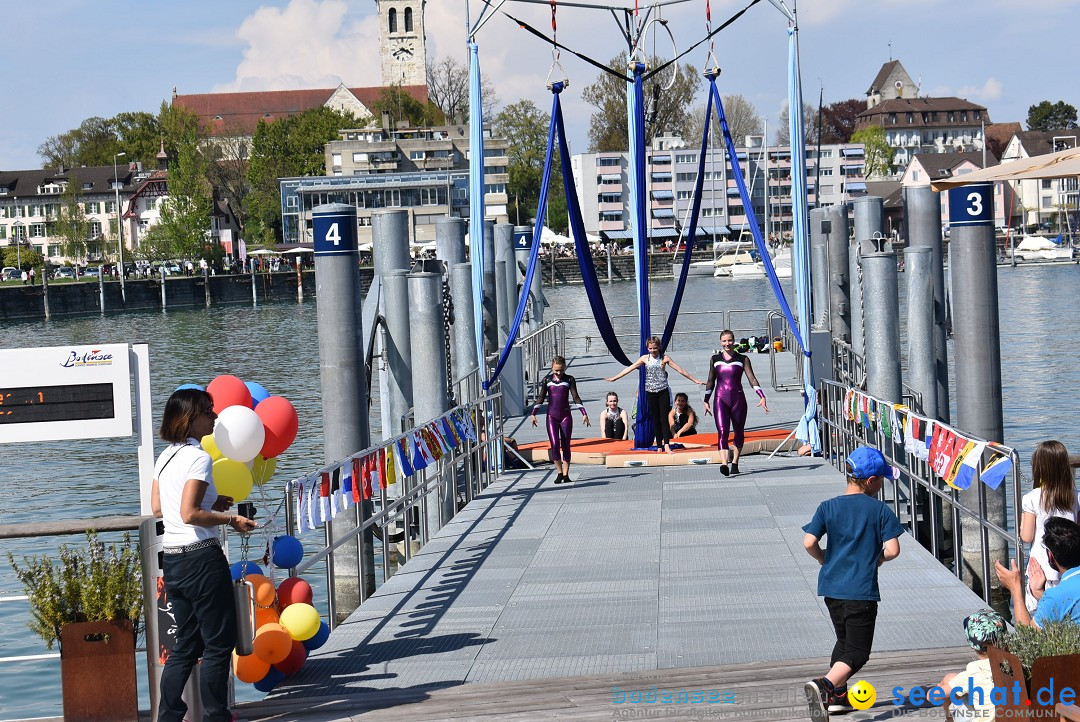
292 591
279 420
228 391
292 664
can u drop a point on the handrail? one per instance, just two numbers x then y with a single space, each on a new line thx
537 350
928 497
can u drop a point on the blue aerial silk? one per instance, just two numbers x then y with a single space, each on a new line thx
643 429
538 227
807 431
476 201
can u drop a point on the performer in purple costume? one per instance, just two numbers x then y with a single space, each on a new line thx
729 405
557 388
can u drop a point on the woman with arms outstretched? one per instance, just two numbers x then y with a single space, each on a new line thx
726 370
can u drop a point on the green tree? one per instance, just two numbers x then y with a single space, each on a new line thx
29 256
71 227
403 107
185 212
96 140
286 148
877 152
1051 116
668 111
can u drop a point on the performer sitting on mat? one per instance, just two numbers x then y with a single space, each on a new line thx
682 419
615 422
657 392
729 405
557 387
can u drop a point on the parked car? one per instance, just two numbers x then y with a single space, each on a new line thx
172 268
92 271
10 273
64 272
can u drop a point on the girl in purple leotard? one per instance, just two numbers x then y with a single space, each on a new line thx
557 388
728 406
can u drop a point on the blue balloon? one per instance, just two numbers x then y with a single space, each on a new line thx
181 387
271 680
246 567
258 393
319 639
286 552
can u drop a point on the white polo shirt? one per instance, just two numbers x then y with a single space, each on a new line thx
174 468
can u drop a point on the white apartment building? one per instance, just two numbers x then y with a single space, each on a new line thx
1042 200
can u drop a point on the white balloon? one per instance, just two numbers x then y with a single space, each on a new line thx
239 433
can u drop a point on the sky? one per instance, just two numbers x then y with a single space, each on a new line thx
73 59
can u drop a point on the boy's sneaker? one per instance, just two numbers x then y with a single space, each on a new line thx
838 702
817 697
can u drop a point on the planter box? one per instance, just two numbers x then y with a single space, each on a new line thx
1047 673
97 667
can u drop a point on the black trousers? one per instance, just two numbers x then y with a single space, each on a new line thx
198 588
659 404
854 621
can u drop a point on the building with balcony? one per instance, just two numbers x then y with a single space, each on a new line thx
1042 200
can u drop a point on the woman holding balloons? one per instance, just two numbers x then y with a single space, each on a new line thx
198 582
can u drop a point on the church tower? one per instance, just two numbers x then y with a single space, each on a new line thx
402 43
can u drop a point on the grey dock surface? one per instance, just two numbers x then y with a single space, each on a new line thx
540 601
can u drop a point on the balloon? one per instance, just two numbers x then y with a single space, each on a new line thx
257 391
292 664
319 639
294 590
300 620
239 433
228 391
264 590
232 478
272 643
181 387
271 680
249 668
210 447
279 419
286 552
262 469
266 615
240 568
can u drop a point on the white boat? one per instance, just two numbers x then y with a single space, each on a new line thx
1038 248
743 265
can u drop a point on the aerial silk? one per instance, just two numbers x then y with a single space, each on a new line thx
643 431
476 201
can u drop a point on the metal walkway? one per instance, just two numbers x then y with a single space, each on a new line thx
641 571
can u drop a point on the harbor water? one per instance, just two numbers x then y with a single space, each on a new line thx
277 346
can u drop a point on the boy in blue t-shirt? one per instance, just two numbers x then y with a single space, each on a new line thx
863 534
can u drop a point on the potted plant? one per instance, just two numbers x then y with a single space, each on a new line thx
90 601
1039 663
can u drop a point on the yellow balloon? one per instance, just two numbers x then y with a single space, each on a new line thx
262 469
300 620
232 478
210 447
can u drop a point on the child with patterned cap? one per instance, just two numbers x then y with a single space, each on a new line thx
969 691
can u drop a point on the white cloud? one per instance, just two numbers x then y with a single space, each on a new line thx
989 91
306 44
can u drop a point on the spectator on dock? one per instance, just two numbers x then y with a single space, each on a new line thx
615 422
863 533
198 583
682 419
657 391
1054 494
983 628
1061 538
557 388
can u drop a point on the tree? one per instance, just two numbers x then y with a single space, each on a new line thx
742 117
96 140
448 89
810 125
71 227
1051 116
877 152
525 126
668 111
185 213
838 120
403 107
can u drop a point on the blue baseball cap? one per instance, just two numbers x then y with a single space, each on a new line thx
866 461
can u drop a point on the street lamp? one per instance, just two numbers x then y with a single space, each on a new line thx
17 227
119 228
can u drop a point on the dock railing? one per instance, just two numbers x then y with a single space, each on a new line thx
930 509
401 522
537 350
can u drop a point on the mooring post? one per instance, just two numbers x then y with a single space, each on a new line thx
491 313
464 330
868 212
397 350
977 336
512 378
390 252
351 570
206 284
450 240
836 234
881 320
819 269
920 328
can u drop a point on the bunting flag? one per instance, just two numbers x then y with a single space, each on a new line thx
419 460
324 500
382 470
431 443
302 496
436 430
947 447
911 434
366 476
885 422
448 433
355 486
313 504
929 438
338 502
968 468
897 422
391 470
467 426
403 457
997 469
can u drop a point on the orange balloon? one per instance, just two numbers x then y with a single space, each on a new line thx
272 643
266 615
249 668
264 590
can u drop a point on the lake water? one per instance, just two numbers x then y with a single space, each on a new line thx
277 346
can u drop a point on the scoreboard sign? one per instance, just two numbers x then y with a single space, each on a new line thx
65 392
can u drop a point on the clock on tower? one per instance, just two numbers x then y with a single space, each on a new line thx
402 42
